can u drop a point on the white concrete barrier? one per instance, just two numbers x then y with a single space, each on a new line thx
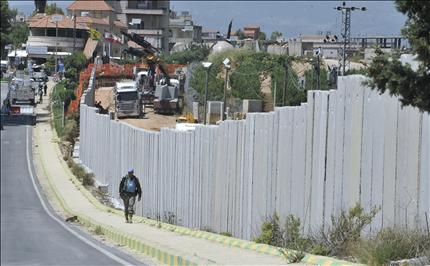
341 147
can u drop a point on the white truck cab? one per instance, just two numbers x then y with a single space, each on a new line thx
127 99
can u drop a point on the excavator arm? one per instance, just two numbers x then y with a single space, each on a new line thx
148 53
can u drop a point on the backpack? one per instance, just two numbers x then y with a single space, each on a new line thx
130 185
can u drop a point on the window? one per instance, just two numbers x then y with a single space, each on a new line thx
137 24
143 4
128 96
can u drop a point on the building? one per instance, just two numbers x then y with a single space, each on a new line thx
47 37
182 29
99 15
20 18
211 35
306 45
251 32
148 18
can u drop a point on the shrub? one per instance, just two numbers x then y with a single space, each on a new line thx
226 234
345 230
78 171
170 218
292 237
98 230
88 179
391 244
71 131
271 232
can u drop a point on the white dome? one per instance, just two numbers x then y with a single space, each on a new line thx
221 46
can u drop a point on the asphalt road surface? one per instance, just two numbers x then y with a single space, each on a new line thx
31 233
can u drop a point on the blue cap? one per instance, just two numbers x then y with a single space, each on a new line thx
131 170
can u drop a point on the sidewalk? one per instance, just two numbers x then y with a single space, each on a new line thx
168 247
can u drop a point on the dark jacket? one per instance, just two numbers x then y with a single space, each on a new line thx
138 188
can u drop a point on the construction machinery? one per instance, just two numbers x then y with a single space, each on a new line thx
161 93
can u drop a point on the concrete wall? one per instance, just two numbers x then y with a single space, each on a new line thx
341 147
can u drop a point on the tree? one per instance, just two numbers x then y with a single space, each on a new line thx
195 53
48 9
6 26
240 34
262 36
53 9
215 84
74 63
275 35
40 6
19 34
386 72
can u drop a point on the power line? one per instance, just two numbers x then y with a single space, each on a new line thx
346 34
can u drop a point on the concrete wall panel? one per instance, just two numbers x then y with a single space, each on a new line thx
341 147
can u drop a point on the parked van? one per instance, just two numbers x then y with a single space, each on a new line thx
127 99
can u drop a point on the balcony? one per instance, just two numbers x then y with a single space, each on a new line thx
48 41
138 11
146 32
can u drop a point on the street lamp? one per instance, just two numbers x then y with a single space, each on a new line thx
227 67
206 65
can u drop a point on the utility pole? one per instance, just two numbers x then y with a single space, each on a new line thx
56 46
225 92
74 31
318 69
206 95
346 35
274 96
284 93
206 65
56 19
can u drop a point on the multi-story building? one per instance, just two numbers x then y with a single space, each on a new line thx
48 38
182 29
306 45
149 18
100 16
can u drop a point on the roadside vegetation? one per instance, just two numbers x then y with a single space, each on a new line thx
343 238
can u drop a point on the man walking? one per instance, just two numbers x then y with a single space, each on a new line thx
129 188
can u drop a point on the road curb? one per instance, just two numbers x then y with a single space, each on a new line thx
109 231
162 256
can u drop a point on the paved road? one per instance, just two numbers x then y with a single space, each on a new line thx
31 234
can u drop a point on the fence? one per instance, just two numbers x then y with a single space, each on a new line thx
341 147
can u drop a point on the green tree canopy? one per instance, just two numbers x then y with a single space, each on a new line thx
386 72
50 9
6 24
215 84
19 34
53 9
195 53
275 35
262 36
240 34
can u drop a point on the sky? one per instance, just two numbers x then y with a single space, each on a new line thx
289 17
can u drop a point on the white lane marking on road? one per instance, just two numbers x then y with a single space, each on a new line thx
102 250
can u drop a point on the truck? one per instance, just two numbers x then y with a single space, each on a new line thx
127 99
21 91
